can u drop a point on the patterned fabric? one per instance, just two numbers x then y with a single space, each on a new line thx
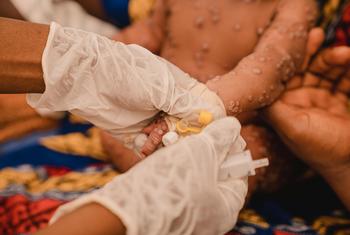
24 210
29 196
335 20
342 31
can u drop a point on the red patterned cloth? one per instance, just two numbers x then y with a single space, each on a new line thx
342 32
19 214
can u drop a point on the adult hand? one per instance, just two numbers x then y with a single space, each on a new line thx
330 68
79 78
177 190
319 109
315 124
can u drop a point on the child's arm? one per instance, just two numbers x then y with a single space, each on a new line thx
260 77
148 33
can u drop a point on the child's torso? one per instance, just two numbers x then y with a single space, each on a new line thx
209 37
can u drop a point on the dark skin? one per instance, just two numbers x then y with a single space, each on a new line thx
317 114
7 9
312 116
24 57
21 72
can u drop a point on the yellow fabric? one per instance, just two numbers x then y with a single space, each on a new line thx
322 224
72 181
329 10
140 9
78 144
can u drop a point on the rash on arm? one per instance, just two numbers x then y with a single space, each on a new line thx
261 76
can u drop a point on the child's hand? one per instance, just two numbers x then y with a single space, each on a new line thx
124 158
155 133
181 178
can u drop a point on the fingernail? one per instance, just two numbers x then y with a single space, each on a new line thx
164 126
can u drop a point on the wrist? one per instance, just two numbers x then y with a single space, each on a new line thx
338 179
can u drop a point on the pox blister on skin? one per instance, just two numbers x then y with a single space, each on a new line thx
257 71
199 22
237 27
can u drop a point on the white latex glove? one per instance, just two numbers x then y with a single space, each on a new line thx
117 87
176 190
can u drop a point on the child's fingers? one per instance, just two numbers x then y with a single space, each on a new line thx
148 129
158 122
155 138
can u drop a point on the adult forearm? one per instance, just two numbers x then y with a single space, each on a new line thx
7 9
92 219
339 180
21 49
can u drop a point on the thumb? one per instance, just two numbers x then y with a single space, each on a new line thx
224 134
233 194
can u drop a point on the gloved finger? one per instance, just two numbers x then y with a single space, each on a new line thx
233 193
224 134
122 157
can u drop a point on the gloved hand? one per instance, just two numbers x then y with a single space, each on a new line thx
117 87
176 190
